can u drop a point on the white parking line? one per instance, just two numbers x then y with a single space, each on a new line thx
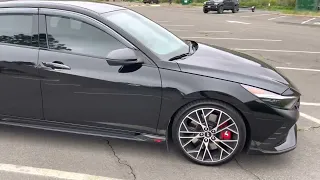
177 25
277 50
184 30
238 22
299 69
50 173
310 118
257 15
213 31
309 104
308 20
316 23
276 18
236 39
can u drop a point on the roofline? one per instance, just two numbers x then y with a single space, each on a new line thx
54 5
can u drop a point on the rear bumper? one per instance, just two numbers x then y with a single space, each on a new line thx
211 7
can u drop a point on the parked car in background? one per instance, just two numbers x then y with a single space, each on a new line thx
151 1
221 5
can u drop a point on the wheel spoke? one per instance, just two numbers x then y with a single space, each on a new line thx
221 152
225 144
209 113
191 140
195 121
207 149
188 137
199 150
225 129
218 125
185 126
205 119
220 147
190 132
232 131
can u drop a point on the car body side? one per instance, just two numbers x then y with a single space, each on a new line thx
178 88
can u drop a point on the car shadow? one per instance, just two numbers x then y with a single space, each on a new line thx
128 149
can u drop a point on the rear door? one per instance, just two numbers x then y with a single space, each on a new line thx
89 91
227 4
20 93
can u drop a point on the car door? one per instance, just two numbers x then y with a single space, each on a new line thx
86 89
227 4
20 93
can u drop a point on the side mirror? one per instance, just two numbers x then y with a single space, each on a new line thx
121 57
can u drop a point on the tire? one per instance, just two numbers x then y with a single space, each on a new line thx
220 10
183 127
235 9
205 10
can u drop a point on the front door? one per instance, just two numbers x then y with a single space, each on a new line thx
82 88
20 93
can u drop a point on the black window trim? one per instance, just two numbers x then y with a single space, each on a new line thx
23 11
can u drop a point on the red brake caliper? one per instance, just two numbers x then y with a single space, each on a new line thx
226 134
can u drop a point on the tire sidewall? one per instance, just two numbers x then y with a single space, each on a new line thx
212 104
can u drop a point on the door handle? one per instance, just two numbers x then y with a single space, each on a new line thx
56 65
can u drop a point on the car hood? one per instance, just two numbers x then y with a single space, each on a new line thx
226 64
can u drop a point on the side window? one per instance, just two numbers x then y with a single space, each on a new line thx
17 29
67 34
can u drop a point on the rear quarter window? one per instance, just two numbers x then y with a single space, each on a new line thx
17 29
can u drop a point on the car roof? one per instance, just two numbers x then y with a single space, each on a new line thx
65 5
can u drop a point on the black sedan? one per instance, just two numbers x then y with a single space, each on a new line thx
104 70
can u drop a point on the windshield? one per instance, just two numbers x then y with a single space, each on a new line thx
160 41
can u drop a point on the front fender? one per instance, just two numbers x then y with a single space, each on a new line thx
179 89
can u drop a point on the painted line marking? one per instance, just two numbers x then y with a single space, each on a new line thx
317 23
310 118
276 18
184 30
237 39
276 50
304 22
257 15
50 173
238 22
309 104
177 25
213 31
299 69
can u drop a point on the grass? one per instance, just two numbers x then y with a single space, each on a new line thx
303 13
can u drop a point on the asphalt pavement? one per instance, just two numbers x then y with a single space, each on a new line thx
289 43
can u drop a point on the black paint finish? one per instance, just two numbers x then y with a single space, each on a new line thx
58 89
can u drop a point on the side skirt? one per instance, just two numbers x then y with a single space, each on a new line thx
80 129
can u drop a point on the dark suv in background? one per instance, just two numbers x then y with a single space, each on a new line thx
221 5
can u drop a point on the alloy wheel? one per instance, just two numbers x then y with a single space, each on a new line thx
208 135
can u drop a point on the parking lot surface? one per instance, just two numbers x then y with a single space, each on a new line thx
289 43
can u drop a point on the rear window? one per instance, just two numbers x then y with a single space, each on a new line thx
17 29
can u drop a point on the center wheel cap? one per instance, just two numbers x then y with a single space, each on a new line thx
208 134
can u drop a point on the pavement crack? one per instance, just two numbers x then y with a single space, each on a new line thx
120 161
246 170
